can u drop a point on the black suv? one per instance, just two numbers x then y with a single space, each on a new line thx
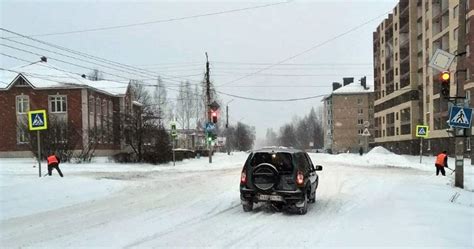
285 177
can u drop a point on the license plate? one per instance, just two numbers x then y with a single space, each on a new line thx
270 198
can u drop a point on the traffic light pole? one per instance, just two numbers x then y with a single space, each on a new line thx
208 105
459 132
39 151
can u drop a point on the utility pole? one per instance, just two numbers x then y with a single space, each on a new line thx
227 128
208 105
460 67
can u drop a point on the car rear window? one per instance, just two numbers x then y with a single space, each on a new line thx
281 160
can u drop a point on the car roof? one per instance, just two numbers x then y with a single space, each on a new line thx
277 149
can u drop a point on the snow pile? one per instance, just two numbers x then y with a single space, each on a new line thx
379 156
379 150
383 158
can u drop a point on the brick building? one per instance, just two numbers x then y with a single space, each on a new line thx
347 112
82 104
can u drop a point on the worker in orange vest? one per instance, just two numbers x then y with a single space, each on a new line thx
53 162
441 162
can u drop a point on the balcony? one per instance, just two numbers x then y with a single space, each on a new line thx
440 7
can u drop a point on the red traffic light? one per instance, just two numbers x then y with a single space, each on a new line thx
214 117
445 76
445 81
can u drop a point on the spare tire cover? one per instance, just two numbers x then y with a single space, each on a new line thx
265 176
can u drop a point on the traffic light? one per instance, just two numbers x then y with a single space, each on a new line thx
174 133
445 82
214 116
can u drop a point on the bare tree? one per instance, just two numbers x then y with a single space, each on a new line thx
96 75
59 138
160 101
271 138
139 123
185 108
287 136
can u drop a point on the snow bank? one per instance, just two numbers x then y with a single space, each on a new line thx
23 193
381 157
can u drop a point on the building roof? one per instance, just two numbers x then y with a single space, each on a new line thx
42 75
352 88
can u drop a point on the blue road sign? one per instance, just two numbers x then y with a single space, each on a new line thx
210 127
37 120
422 131
460 117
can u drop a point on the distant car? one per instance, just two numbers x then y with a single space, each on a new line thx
284 177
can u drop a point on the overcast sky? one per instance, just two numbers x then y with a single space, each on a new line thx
238 43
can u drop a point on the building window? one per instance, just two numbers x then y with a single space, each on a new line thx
359 101
398 131
396 115
22 135
22 104
361 131
455 34
455 11
91 104
396 71
361 111
360 121
396 26
57 104
396 56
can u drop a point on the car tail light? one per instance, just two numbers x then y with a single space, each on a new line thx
299 178
243 177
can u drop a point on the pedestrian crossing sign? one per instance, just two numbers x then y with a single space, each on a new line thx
460 117
37 120
422 131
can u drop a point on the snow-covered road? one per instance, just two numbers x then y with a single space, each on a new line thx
191 206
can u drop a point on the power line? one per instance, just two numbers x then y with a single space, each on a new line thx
292 64
297 75
172 89
159 21
272 100
63 61
91 62
89 68
307 50
54 80
281 86
96 58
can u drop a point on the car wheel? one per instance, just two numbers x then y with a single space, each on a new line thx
303 210
313 197
248 207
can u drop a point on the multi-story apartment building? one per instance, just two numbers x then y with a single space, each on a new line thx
348 110
407 90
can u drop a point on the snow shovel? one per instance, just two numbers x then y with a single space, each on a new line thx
452 170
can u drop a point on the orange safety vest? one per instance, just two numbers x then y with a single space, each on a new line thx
440 159
52 159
